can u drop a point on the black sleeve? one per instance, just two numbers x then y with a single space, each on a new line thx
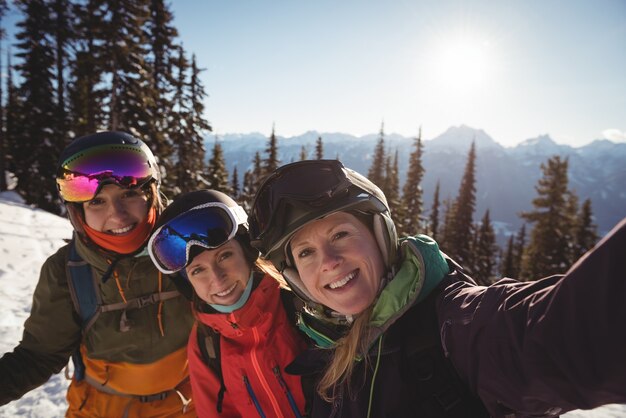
548 346
16 380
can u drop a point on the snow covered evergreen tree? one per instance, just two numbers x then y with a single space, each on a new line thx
217 175
39 140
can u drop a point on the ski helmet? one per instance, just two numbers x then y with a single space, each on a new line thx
92 161
298 193
193 222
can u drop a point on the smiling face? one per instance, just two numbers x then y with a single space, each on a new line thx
116 210
339 262
220 276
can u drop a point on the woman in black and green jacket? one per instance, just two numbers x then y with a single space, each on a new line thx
402 332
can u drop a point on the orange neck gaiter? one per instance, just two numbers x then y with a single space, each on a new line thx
124 244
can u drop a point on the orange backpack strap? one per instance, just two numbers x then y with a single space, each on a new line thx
88 304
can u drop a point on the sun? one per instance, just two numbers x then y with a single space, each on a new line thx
462 65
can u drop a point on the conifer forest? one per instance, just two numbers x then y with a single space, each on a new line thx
79 67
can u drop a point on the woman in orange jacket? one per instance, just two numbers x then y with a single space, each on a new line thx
129 351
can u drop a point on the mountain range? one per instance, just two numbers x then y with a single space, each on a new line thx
506 176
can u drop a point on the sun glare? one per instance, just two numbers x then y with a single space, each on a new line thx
462 65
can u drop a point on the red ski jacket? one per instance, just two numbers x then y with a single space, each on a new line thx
256 342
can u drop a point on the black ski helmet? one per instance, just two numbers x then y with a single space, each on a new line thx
298 193
186 201
107 141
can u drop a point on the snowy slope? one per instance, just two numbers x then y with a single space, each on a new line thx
27 238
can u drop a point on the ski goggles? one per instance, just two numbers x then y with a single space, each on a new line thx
81 176
209 225
309 183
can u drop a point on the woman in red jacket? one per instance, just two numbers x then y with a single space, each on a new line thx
243 337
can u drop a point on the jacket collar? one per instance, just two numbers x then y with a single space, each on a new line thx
259 311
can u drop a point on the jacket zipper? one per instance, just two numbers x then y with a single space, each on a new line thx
283 384
253 396
257 369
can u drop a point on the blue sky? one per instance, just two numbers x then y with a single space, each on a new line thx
516 69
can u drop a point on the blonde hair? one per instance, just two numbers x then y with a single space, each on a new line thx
268 268
339 371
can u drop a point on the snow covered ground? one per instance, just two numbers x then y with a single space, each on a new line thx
27 238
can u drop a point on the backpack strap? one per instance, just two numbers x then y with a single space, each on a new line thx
81 283
209 343
83 286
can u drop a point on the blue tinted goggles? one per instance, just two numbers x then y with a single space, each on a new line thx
209 225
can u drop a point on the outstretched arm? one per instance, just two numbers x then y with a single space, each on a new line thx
548 346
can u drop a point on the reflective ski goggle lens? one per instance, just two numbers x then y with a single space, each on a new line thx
210 226
311 181
80 177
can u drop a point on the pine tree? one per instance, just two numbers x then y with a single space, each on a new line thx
391 187
162 34
4 157
234 184
271 163
548 250
131 92
188 173
13 120
247 193
217 175
38 139
195 121
376 173
251 181
319 149
86 90
507 265
63 32
303 153
460 232
412 191
434 214
518 252
485 252
445 235
585 231
4 8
